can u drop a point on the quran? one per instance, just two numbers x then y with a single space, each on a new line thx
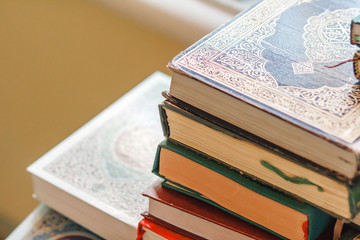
265 72
95 176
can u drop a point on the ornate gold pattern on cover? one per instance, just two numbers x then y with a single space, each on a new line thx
327 36
234 57
303 67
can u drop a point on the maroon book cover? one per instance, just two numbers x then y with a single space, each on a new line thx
207 212
204 211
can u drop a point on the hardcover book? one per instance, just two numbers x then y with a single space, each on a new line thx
250 155
169 207
46 224
149 230
171 226
245 198
102 169
266 71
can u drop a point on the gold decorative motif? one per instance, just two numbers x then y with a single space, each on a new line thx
336 101
233 57
303 67
327 36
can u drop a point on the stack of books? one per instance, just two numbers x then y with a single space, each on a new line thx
261 140
258 127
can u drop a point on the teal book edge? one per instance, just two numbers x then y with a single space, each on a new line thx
318 220
231 130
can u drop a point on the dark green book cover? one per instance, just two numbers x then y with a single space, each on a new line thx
317 219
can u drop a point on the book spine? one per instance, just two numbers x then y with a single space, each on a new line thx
163 120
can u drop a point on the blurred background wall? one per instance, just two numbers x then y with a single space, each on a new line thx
62 62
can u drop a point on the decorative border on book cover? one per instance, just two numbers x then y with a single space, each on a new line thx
54 226
233 56
113 162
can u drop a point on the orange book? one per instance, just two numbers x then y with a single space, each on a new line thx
261 205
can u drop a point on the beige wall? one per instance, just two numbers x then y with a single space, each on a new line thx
61 62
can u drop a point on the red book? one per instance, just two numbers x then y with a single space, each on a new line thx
198 217
149 230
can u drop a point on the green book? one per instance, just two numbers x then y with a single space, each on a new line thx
246 198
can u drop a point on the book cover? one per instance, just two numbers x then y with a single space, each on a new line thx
265 71
102 168
248 155
237 194
201 218
171 226
46 224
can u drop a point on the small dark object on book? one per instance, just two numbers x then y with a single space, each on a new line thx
355 40
357 65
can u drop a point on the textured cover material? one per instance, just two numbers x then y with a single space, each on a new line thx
205 211
273 58
352 189
104 166
45 223
317 219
